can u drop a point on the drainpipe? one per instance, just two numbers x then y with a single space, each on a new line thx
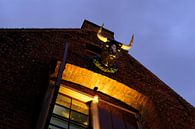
51 96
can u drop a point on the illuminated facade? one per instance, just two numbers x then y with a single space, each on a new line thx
70 79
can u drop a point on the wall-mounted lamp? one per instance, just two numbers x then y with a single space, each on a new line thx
95 88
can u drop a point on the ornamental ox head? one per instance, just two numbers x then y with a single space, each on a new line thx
110 53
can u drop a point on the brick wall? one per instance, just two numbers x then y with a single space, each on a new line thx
25 55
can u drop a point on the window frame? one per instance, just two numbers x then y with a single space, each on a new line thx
70 110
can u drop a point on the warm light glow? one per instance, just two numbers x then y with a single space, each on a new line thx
95 99
75 94
105 84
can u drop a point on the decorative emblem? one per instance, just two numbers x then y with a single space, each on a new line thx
107 62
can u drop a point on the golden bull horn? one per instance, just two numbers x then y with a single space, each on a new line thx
127 47
100 36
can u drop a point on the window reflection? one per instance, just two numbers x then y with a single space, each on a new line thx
62 111
57 121
78 117
53 127
63 100
79 106
73 126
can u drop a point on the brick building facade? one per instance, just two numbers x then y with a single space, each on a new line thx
30 68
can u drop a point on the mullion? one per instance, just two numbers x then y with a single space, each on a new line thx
72 121
67 120
60 117
72 109
82 103
64 95
62 106
71 97
77 123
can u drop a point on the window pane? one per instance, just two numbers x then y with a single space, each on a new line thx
52 127
63 100
59 122
80 107
73 126
64 112
78 117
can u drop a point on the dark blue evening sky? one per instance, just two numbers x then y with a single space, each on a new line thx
164 30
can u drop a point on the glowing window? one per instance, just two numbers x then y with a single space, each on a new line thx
68 112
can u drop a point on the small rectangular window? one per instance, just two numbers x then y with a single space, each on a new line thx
69 113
